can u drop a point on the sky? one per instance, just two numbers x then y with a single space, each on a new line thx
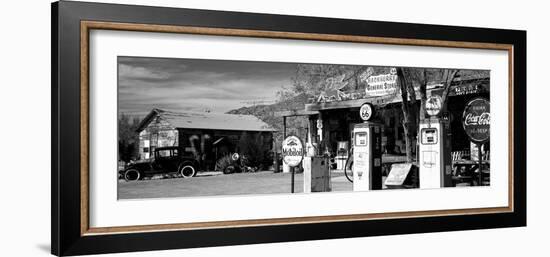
195 84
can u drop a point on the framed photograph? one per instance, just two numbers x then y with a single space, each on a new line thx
180 128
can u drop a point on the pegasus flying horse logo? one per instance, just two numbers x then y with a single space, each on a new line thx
292 143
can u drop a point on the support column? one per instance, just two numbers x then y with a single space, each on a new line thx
310 151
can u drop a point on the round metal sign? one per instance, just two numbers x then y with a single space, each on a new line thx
366 111
235 156
319 124
433 105
476 120
293 151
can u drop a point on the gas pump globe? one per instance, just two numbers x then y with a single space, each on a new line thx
367 152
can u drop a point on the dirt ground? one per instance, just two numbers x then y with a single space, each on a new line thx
212 184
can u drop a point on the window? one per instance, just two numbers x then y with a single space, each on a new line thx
163 153
361 138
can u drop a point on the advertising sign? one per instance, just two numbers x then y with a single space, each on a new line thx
476 120
366 111
434 105
293 151
398 174
379 85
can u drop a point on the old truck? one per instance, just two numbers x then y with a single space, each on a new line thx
165 160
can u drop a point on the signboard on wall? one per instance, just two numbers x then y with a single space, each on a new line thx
476 120
380 85
384 85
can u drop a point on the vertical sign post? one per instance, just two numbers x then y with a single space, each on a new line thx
293 154
476 120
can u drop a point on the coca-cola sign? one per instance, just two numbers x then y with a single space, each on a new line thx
476 120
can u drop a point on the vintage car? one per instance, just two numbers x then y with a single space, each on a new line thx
165 160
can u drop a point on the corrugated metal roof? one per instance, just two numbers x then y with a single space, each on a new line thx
209 120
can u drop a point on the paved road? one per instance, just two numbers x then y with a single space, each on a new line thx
219 184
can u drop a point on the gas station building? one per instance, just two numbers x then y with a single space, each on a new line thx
333 116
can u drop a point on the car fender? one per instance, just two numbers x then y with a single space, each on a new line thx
188 162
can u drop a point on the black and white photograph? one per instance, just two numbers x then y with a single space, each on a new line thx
207 127
274 128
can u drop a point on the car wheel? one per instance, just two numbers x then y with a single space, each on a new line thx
132 175
187 171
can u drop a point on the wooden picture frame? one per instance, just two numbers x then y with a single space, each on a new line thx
71 25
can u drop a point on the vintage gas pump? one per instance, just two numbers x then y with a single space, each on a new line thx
434 148
367 152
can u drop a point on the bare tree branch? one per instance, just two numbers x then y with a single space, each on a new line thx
450 76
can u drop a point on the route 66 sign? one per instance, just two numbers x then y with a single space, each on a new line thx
366 111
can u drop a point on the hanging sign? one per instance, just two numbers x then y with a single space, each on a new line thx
433 105
476 120
319 124
293 151
366 111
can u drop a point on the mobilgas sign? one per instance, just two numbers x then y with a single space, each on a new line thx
476 120
293 151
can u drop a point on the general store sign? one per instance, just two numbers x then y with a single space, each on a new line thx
293 151
476 120
381 85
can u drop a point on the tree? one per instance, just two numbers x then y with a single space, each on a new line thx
250 145
409 108
128 138
408 78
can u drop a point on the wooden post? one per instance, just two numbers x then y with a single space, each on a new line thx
275 158
292 180
480 163
284 136
284 127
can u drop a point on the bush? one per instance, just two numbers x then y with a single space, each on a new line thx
223 162
251 147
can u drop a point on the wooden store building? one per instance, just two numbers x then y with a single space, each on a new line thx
207 135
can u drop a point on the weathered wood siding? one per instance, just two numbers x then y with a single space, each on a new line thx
158 133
